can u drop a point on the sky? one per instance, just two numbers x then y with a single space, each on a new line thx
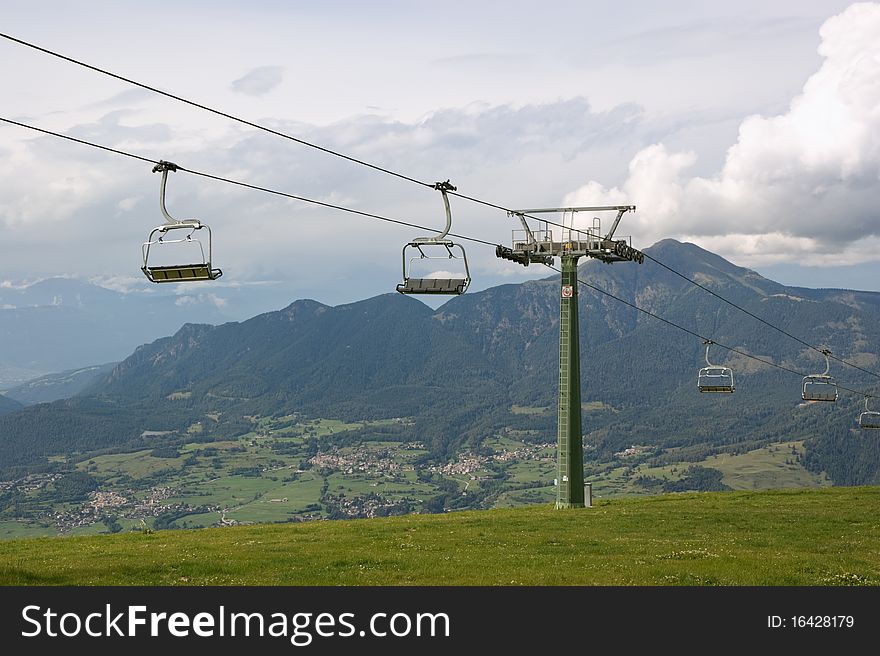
751 129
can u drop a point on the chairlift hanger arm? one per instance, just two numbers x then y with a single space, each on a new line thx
826 353
443 188
708 343
164 167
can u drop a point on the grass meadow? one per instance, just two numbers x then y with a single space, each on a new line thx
827 536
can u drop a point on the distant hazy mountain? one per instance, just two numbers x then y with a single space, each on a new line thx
53 387
60 324
459 369
8 405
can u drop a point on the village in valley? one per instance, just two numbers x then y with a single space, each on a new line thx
288 469
295 468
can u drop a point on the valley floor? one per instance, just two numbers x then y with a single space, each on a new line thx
292 469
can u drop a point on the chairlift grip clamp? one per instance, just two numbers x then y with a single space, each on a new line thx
165 166
444 186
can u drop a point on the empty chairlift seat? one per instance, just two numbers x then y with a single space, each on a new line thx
423 253
714 378
181 272
433 286
820 387
196 253
194 271
869 419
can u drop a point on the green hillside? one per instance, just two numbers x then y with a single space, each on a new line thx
458 370
794 537
386 407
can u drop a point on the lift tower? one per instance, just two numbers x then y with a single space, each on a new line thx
541 244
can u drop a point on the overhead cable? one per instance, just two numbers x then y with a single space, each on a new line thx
388 171
697 335
238 182
399 222
212 110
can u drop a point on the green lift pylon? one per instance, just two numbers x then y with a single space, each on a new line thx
569 449
538 245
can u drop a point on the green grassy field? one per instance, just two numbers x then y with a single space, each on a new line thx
773 466
827 536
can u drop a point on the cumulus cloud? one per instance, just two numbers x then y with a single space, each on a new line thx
198 299
259 81
128 204
122 284
68 208
803 184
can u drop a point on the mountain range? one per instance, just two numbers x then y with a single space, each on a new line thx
64 323
459 371
60 324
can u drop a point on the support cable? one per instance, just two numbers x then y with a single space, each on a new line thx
387 171
699 336
404 223
755 316
239 183
206 108
732 304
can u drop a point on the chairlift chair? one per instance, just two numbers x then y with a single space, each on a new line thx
869 419
714 378
821 387
197 271
426 248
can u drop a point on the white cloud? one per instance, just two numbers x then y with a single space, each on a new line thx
123 284
442 274
770 248
198 299
259 81
804 183
519 143
128 204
